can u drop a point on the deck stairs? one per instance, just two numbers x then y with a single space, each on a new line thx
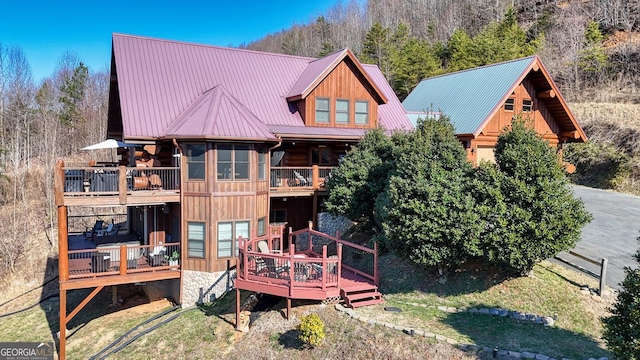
361 296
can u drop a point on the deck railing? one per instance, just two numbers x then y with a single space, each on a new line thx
114 180
295 270
357 258
309 177
122 260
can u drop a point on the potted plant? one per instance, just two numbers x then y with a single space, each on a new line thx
173 258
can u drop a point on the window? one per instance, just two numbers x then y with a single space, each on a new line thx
320 156
278 215
262 227
362 112
195 239
228 233
509 104
322 110
195 161
527 105
342 111
261 166
233 162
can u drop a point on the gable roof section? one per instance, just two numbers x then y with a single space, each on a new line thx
160 80
319 69
217 112
471 97
468 97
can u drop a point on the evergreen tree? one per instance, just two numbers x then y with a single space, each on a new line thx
530 211
622 328
375 48
72 94
426 210
459 52
593 60
414 61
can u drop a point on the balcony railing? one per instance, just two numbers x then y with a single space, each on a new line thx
114 180
309 177
122 260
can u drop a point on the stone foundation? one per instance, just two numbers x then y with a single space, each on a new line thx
329 224
201 287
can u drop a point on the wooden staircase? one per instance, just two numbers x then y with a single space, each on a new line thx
361 296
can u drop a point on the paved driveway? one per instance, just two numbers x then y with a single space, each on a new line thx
612 233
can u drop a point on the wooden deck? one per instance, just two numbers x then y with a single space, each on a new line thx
314 273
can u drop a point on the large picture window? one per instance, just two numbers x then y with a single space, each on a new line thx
322 110
195 239
362 112
342 111
228 233
195 161
233 162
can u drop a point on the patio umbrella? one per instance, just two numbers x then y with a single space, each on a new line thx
108 144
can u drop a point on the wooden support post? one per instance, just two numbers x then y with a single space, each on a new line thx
238 308
315 177
123 260
376 280
315 209
62 338
122 185
288 308
324 267
339 264
58 183
603 275
63 244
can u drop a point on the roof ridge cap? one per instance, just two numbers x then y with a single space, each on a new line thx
181 42
486 66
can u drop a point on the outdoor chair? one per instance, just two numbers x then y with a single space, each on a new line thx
91 231
156 256
274 269
301 179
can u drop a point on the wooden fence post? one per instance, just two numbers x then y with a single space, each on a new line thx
603 275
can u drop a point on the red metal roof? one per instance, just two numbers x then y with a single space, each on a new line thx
165 85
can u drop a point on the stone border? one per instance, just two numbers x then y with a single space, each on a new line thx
462 346
517 315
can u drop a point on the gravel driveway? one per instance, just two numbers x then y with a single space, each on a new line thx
611 234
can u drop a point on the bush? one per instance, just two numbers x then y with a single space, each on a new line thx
528 207
622 328
311 330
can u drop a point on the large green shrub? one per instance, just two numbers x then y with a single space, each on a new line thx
622 328
529 209
311 330
426 211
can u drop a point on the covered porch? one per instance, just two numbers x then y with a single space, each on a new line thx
314 266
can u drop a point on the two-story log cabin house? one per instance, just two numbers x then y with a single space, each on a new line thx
227 143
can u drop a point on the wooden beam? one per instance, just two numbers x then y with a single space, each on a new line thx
288 308
58 183
62 338
570 134
63 244
238 308
549 94
122 185
130 278
84 302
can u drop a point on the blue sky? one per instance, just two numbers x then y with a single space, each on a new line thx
44 30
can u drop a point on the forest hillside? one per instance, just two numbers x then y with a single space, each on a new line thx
590 47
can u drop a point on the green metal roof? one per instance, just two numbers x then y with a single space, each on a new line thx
468 97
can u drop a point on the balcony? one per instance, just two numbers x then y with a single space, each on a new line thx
296 181
109 184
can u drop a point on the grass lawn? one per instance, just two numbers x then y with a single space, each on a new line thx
550 290
208 331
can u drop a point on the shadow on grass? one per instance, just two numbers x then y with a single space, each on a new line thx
397 276
523 335
289 340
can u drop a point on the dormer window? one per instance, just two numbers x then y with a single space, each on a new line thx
322 110
527 105
342 111
362 112
509 105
